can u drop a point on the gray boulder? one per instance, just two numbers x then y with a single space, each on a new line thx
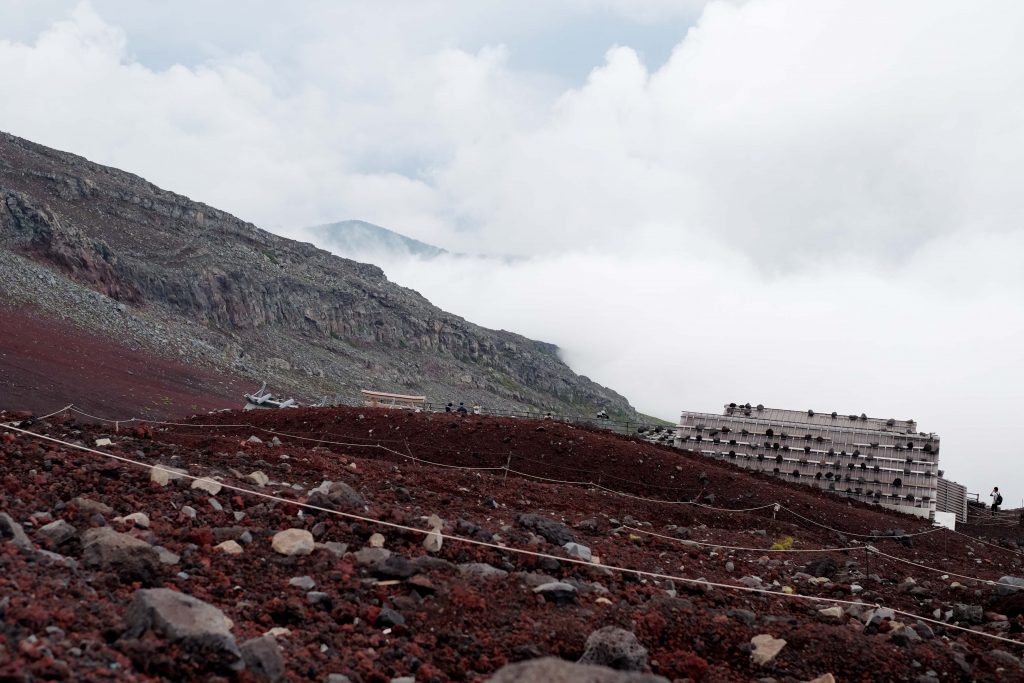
552 531
263 659
616 648
57 533
127 556
557 592
481 570
12 532
554 670
88 506
1009 584
195 625
336 495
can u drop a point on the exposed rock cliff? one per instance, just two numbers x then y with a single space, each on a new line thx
212 289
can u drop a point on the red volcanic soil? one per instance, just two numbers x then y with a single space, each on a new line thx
69 623
47 363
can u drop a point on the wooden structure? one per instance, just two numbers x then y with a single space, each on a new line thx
382 399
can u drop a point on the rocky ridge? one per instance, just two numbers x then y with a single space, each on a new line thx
119 256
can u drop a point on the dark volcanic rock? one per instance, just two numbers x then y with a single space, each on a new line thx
127 556
263 659
615 648
552 531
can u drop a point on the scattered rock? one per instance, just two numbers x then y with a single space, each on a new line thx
554 670
196 625
56 533
557 592
336 495
554 532
388 617
578 551
91 507
304 582
258 478
206 484
293 542
433 541
162 475
394 567
104 442
263 659
766 648
1009 584
188 511
229 547
834 612
376 541
12 532
824 678
125 555
139 519
166 556
254 440
615 648
823 566
482 570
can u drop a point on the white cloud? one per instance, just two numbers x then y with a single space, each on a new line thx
809 204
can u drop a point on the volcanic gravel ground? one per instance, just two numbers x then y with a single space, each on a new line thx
68 622
47 363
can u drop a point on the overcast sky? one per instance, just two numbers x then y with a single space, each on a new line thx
806 204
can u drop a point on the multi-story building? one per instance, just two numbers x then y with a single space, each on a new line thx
875 460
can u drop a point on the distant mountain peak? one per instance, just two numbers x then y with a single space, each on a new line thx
356 238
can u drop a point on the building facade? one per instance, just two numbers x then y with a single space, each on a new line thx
874 460
951 497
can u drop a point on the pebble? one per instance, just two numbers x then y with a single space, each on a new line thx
188 511
377 541
206 484
215 504
557 592
578 551
259 478
616 648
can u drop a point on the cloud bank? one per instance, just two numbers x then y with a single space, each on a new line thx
806 205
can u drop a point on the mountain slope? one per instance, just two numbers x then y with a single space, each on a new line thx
354 239
118 256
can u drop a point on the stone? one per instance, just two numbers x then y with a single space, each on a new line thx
254 440
139 519
11 532
303 582
730 567
823 566
552 531
229 547
394 567
766 648
166 556
336 548
279 632
590 525
104 442
823 678
336 495
263 659
195 625
211 486
615 648
258 478
971 614
580 552
557 592
293 542
433 541
1005 659
834 612
554 670
370 556
215 504
1009 584
56 533
376 541
388 617
338 678
481 570
744 616
188 511
127 556
91 507
318 598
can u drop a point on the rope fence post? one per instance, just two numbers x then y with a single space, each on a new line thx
508 464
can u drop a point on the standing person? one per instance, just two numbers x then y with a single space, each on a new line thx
997 499
461 410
